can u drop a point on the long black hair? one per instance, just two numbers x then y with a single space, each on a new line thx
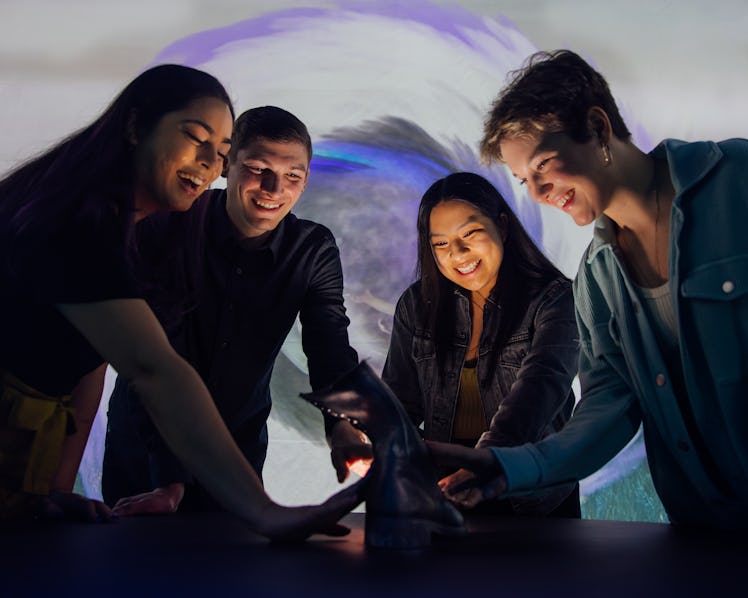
89 175
525 271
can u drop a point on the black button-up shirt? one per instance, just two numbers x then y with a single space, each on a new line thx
235 303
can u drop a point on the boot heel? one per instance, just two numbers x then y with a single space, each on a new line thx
398 532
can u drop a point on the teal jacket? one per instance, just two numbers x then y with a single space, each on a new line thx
700 471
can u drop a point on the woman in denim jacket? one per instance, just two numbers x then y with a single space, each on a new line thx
484 345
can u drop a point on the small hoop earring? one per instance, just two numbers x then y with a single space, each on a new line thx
607 158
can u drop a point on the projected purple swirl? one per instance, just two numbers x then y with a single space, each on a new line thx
394 96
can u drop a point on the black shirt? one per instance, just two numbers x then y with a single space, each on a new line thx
80 262
236 302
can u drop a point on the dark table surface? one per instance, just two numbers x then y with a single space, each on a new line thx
215 555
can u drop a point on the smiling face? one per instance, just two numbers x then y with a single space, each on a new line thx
468 247
264 182
562 173
181 156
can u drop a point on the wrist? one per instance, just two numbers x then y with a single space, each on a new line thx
174 492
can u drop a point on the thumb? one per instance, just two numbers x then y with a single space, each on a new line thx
341 468
340 465
335 530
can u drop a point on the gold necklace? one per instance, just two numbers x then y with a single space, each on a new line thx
475 338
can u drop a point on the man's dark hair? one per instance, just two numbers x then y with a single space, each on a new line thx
272 123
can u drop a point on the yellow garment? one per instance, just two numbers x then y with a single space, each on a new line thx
470 421
33 427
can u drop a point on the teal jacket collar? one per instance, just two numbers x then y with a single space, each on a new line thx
689 164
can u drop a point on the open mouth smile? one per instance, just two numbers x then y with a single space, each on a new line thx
565 199
468 268
190 181
266 205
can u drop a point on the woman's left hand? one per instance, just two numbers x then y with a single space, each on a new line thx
295 524
479 478
465 489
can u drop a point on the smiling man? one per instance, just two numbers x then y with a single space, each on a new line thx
239 269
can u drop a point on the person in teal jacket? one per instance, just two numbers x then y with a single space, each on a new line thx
661 298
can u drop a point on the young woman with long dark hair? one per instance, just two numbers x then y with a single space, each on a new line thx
484 344
69 303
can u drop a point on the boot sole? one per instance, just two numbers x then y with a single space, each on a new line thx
405 532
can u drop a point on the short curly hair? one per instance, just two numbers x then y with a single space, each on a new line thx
553 92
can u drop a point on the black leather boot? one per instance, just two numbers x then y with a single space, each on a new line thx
404 506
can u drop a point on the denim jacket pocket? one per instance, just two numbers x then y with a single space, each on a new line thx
422 347
717 298
515 350
722 280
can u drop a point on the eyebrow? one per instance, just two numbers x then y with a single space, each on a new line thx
475 218
259 158
206 126
539 149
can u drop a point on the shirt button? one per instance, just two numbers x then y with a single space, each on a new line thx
224 344
660 380
728 287
239 270
683 446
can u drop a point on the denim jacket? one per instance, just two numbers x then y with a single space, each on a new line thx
700 475
526 396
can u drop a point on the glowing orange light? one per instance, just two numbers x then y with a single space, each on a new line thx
360 466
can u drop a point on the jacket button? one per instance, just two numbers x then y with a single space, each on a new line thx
239 270
728 287
660 380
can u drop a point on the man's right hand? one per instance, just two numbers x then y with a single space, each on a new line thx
160 500
349 446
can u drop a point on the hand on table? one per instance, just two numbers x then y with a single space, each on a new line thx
349 446
478 478
295 524
71 506
160 500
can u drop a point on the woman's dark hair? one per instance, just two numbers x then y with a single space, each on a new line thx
525 271
89 175
553 92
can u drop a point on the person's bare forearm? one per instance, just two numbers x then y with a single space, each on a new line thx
127 334
187 419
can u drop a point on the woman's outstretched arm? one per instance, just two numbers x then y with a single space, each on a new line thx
127 334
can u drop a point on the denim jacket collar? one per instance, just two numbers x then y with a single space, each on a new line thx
689 164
